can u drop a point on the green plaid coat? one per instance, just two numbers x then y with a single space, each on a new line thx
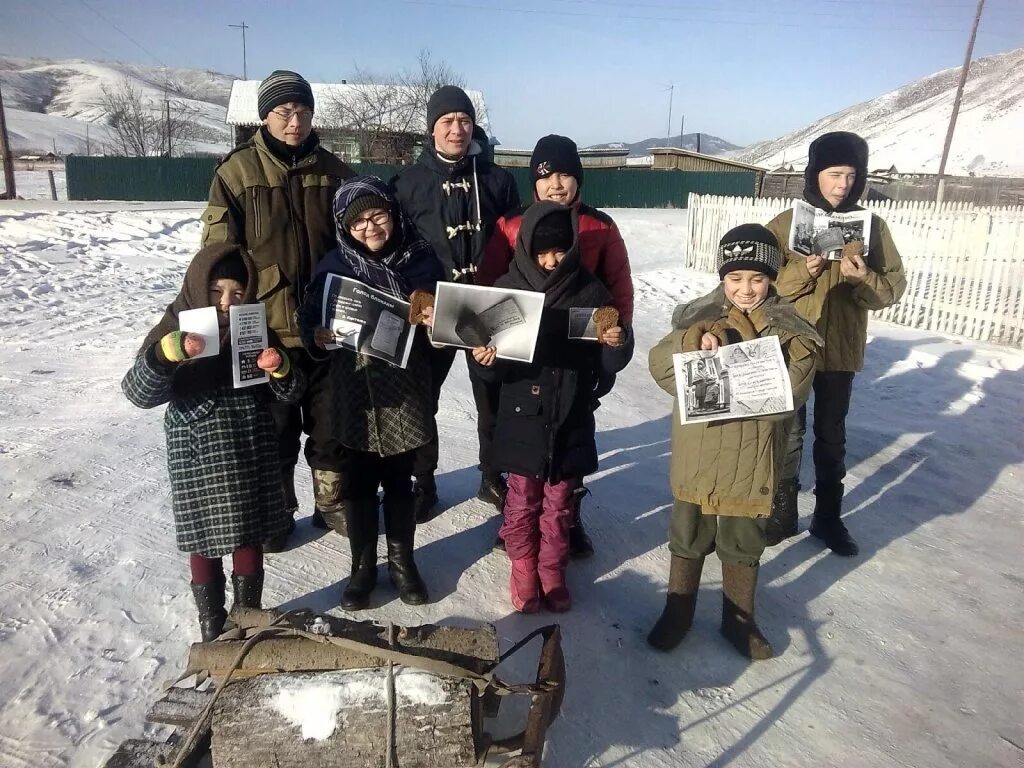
222 457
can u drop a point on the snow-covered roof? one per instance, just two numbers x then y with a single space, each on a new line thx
242 109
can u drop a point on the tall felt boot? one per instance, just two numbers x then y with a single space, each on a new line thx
329 492
739 584
248 590
580 545
493 489
210 605
361 522
827 524
783 522
424 498
279 542
400 530
680 603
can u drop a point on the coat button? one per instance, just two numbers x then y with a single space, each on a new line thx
765 490
518 409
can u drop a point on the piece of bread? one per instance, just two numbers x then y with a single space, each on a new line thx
605 318
853 248
418 302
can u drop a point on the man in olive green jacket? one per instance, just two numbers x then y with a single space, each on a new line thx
274 195
836 296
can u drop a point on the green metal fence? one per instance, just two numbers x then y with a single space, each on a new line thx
186 178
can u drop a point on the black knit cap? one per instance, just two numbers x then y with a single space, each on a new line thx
281 87
447 99
231 267
553 232
749 246
556 154
360 205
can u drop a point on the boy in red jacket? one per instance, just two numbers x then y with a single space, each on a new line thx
557 177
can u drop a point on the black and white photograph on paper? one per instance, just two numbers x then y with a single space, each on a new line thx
583 323
472 316
367 320
248 340
816 232
738 381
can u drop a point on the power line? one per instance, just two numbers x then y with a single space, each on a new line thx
677 19
128 37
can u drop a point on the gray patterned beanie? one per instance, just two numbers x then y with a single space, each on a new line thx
281 87
749 246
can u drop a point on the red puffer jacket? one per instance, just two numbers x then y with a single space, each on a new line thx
601 249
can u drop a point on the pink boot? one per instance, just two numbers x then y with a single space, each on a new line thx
524 585
556 594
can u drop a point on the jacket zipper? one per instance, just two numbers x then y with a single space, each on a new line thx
257 224
553 424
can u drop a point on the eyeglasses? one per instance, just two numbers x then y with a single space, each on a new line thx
287 114
378 219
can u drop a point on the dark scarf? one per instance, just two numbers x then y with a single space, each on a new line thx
286 153
569 284
194 376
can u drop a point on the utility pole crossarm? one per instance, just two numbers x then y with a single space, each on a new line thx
243 26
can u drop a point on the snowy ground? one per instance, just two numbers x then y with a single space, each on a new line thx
35 184
908 655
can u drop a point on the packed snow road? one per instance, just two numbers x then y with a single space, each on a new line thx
908 655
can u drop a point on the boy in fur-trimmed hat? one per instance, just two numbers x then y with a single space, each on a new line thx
723 474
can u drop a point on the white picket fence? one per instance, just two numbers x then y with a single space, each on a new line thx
964 263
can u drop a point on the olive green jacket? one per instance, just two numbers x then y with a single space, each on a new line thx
732 467
840 310
283 215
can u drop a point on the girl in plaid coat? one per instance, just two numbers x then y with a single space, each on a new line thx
222 454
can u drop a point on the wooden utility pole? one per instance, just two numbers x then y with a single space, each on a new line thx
671 93
682 122
5 155
956 105
243 26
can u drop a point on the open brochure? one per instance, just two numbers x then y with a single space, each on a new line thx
743 380
815 231
248 340
367 320
583 323
474 316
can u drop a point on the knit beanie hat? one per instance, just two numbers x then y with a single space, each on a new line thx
446 99
360 205
231 267
556 154
281 87
553 232
749 246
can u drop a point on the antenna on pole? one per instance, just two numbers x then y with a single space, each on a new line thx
956 105
243 26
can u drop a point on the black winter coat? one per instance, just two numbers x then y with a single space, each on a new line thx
545 425
455 206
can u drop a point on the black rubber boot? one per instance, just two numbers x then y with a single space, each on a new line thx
783 522
248 590
329 491
827 524
680 604
424 498
739 584
580 545
400 529
210 605
493 490
361 516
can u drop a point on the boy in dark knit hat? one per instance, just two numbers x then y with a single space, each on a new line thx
454 194
836 296
273 196
723 473
544 437
558 177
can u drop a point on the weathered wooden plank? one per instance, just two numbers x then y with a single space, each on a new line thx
179 707
327 719
141 753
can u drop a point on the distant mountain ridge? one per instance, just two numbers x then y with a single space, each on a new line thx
709 145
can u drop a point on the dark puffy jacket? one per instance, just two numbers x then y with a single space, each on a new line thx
602 252
545 427
454 206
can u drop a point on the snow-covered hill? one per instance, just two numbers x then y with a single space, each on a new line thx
907 127
52 100
709 145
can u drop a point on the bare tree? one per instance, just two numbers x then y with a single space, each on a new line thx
141 126
382 112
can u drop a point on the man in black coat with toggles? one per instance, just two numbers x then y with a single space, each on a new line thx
454 195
